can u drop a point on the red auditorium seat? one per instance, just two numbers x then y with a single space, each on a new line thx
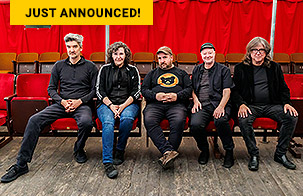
6 89
31 97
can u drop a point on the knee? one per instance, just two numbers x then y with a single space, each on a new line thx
220 121
291 119
244 122
85 122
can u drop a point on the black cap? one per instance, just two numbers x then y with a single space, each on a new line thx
207 45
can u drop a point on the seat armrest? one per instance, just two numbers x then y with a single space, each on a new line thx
10 97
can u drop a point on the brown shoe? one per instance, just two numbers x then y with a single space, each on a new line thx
168 158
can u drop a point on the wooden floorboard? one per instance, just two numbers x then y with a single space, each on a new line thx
53 171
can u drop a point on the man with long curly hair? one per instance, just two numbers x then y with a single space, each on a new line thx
260 91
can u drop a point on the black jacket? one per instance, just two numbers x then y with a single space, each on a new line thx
74 81
104 84
220 79
243 92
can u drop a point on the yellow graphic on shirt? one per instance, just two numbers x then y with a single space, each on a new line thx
168 80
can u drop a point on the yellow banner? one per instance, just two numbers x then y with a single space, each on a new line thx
81 12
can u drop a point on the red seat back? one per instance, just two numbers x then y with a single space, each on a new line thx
32 85
295 84
6 88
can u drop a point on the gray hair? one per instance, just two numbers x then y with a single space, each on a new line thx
253 43
74 37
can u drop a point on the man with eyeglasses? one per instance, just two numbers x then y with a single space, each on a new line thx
260 91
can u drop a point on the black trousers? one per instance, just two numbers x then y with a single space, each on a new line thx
37 122
275 112
201 119
175 113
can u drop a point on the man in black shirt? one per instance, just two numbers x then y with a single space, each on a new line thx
211 91
166 90
75 77
260 91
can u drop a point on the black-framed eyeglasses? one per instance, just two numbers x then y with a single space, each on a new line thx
255 51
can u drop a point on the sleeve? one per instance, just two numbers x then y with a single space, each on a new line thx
93 76
147 93
53 85
100 84
185 94
235 91
227 80
135 93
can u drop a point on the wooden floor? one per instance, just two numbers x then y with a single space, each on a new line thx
54 172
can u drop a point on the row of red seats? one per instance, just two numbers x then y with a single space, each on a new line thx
31 96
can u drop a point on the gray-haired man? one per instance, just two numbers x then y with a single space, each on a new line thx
75 77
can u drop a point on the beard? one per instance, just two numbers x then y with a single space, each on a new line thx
166 66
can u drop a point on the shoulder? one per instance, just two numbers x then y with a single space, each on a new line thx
180 71
132 67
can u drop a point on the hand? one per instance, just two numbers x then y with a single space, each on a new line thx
219 112
243 111
196 107
170 97
74 104
292 110
161 96
121 108
114 109
65 103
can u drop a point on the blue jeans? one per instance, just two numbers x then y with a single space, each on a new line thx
107 119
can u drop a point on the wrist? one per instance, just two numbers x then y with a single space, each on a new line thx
109 105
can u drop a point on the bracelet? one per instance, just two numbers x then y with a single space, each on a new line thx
110 105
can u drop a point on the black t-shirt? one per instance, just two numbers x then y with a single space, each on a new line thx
119 94
168 81
261 86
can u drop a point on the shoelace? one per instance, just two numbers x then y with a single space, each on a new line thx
11 167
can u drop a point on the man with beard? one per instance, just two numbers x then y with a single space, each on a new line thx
166 90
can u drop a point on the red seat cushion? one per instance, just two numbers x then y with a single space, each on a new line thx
3 115
265 123
6 88
64 124
99 124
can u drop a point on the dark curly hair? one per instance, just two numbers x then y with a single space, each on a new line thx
253 43
114 47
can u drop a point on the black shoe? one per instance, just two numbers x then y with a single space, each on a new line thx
203 157
253 164
228 159
14 172
284 161
119 157
110 170
80 156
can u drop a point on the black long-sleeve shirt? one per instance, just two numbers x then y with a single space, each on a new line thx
174 80
75 81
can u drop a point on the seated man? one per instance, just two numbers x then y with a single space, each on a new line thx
118 89
211 91
166 90
75 77
260 91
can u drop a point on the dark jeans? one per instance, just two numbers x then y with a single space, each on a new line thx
36 123
275 112
201 119
175 113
